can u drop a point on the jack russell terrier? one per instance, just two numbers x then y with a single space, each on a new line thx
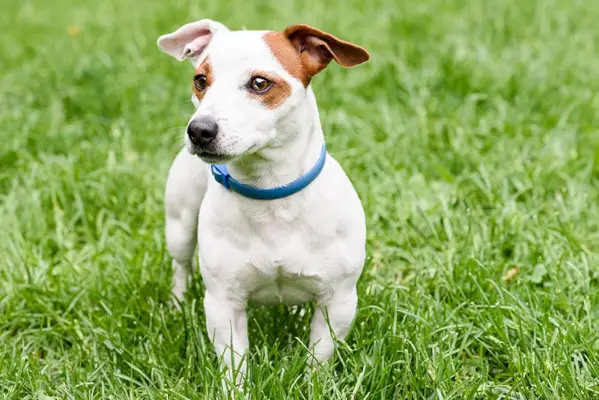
275 216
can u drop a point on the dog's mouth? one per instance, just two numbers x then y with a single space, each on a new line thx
213 158
211 155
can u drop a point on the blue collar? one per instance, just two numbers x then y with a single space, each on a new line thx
222 176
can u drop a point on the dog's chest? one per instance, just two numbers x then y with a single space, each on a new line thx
286 273
290 255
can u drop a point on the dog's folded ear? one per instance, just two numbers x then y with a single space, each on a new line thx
190 40
318 48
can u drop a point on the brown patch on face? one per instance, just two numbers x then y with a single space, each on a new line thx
205 68
324 46
287 55
304 51
276 95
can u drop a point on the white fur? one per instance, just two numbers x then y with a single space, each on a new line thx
309 246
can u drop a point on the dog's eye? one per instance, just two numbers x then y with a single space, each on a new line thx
259 84
200 82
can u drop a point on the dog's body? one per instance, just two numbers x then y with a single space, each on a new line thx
304 247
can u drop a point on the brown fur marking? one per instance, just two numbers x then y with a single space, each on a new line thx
277 94
304 51
287 55
344 53
204 68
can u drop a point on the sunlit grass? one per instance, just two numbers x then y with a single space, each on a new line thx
472 138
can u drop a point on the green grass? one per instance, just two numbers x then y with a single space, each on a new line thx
472 137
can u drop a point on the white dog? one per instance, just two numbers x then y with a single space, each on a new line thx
276 218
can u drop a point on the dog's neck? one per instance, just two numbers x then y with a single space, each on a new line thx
293 152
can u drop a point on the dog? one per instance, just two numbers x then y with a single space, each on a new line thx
275 217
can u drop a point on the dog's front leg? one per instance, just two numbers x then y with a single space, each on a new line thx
226 321
338 313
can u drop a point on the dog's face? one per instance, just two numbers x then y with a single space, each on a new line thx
246 82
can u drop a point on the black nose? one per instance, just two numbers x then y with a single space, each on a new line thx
202 131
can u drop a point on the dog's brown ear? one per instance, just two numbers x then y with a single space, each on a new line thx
317 48
190 40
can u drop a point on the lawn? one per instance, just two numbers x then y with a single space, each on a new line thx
472 137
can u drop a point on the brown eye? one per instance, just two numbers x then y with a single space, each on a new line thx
259 84
200 81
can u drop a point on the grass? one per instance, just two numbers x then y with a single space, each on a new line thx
472 137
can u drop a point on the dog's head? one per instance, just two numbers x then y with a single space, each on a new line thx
246 82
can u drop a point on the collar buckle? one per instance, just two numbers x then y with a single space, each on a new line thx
221 175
